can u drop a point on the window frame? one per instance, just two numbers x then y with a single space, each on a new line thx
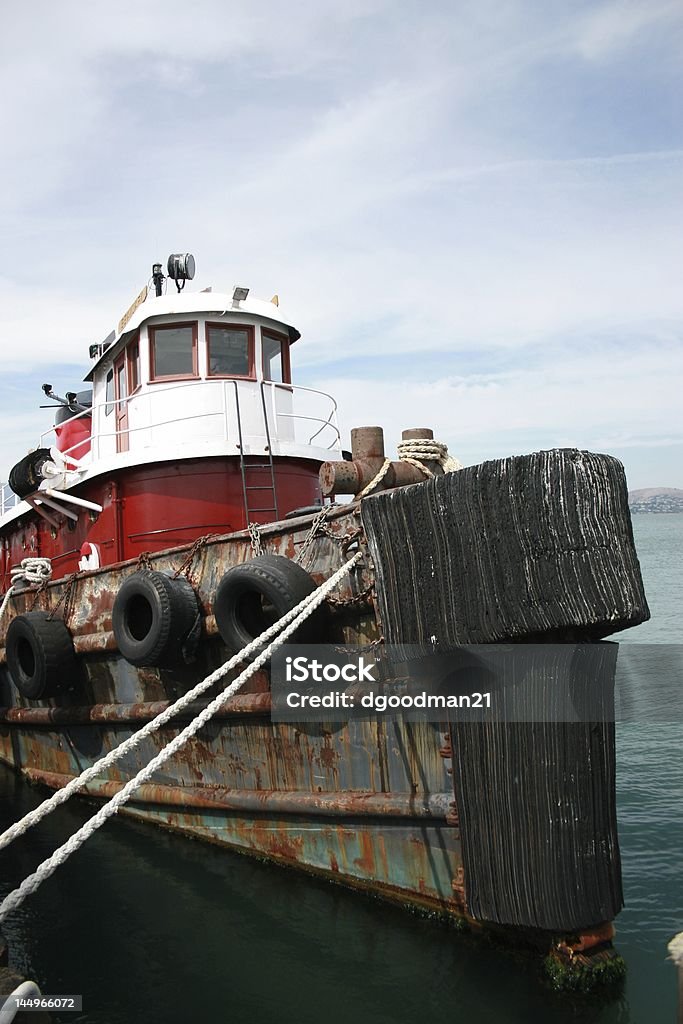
152 330
285 363
251 350
129 364
109 403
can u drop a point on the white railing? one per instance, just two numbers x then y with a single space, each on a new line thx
275 421
318 426
8 499
325 431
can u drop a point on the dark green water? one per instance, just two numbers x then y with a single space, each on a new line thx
153 927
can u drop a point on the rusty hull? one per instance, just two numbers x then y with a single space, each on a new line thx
366 803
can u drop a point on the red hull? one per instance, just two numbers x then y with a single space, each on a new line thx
153 507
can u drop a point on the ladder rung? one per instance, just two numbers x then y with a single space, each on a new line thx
259 487
262 510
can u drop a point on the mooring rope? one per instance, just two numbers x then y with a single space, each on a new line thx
27 990
34 571
420 450
417 452
49 866
377 479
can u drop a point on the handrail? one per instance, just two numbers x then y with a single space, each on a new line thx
149 393
295 416
8 499
76 416
313 419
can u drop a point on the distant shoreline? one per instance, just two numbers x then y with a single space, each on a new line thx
656 499
643 510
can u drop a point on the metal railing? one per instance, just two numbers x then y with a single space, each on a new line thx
8 499
328 424
276 424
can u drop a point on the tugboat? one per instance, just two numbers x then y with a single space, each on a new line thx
189 500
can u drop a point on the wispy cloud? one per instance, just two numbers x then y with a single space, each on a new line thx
614 26
496 178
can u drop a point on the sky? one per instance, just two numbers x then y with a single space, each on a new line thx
471 210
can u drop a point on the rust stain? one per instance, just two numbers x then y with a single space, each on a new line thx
328 756
383 855
366 862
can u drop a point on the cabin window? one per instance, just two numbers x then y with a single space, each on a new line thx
133 366
230 350
275 357
173 351
109 394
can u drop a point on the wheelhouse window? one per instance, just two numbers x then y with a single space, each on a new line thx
275 348
230 350
173 351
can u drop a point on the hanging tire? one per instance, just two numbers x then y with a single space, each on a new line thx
153 618
40 655
255 594
26 476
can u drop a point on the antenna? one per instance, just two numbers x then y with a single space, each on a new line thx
158 278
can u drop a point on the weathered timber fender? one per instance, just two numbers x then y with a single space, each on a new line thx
153 618
40 655
530 548
519 548
255 594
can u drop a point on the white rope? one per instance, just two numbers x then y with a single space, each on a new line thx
60 796
49 866
420 450
33 571
5 601
675 948
416 451
375 480
27 990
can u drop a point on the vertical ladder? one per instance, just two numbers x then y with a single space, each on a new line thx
255 494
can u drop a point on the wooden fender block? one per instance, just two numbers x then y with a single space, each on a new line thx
519 547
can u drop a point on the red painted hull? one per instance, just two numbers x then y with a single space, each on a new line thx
154 507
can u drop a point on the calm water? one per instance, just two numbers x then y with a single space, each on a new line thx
153 927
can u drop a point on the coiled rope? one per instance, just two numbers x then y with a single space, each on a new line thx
417 452
420 450
34 571
49 866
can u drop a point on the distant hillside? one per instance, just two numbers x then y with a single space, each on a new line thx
656 499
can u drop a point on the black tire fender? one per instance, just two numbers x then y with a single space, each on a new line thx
26 476
40 655
152 618
255 594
